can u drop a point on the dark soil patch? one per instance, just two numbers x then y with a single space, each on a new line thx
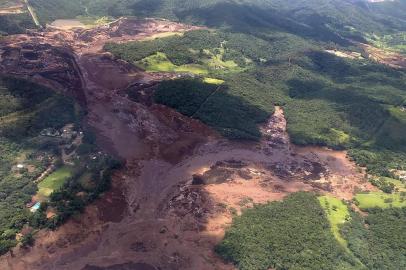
31 55
213 176
125 266
112 206
222 172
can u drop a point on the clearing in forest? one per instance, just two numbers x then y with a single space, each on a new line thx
54 181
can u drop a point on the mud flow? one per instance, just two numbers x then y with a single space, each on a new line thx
182 183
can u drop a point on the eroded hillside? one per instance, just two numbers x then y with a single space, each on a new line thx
166 97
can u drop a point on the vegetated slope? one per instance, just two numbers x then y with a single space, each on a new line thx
14 17
327 20
31 118
47 11
378 239
235 108
338 102
292 234
15 23
388 10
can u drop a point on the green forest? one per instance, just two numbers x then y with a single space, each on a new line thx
26 110
292 234
295 234
15 24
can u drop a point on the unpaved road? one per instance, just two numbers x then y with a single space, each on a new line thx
156 216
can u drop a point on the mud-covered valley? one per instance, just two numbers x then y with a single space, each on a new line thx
181 183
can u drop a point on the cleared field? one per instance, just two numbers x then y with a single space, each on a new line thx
380 199
54 181
67 24
159 62
337 214
163 35
213 81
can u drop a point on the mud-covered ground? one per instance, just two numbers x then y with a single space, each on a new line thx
389 58
182 183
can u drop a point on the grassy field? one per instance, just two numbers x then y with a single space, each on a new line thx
54 181
159 62
399 185
337 214
163 35
380 200
213 81
196 52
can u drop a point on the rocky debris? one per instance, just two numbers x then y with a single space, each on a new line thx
326 186
222 171
189 200
294 170
232 163
392 59
138 247
274 131
52 66
127 29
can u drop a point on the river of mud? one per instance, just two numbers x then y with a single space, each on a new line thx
182 182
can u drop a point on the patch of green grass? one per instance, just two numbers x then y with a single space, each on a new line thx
399 185
192 68
337 214
213 81
159 62
216 60
163 35
54 181
380 200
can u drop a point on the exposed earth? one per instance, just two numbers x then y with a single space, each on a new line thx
389 58
182 182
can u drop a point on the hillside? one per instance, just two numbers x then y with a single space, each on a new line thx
214 134
14 17
325 20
